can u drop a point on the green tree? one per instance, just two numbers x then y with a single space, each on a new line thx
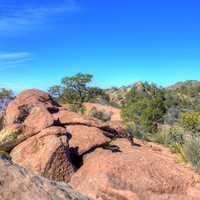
75 91
5 93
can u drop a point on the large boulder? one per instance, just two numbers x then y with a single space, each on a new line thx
27 115
83 138
31 107
139 173
46 154
16 183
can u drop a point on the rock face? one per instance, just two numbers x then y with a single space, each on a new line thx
46 154
140 173
17 184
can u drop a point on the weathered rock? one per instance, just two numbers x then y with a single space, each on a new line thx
84 138
31 107
66 117
111 129
16 183
38 119
140 173
46 154
28 114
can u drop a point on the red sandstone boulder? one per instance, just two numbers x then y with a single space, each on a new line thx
39 118
136 172
46 154
31 107
84 138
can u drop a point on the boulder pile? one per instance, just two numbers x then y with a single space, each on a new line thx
92 156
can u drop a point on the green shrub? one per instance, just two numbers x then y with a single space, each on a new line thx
145 107
161 136
191 121
78 108
169 135
100 114
192 151
136 131
179 150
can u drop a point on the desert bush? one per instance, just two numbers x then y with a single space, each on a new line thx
179 150
100 114
135 131
172 115
169 135
78 108
192 151
176 136
191 121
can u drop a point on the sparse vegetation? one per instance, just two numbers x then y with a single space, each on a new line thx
191 121
100 114
192 151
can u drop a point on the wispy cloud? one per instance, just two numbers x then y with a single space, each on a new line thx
14 56
25 17
13 59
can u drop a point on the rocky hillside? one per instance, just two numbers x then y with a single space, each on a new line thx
185 84
186 89
50 141
118 95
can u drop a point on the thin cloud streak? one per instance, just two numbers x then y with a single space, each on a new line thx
14 18
15 56
14 59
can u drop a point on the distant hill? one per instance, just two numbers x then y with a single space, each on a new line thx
184 85
118 95
189 90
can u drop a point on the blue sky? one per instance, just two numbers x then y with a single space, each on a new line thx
119 42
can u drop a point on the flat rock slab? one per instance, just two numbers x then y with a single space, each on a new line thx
142 173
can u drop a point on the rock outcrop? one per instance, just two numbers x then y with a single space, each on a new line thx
46 138
60 145
16 183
